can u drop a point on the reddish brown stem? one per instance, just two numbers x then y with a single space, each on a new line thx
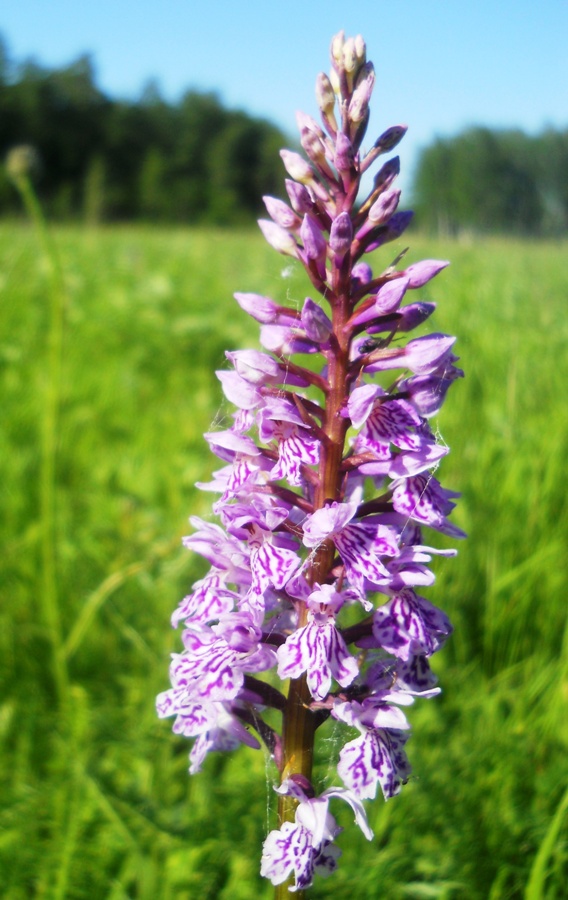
299 721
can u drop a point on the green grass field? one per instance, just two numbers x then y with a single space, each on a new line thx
95 801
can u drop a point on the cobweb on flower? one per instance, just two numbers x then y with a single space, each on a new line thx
271 780
288 271
333 742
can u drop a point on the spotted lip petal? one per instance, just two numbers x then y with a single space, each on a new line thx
319 650
363 546
210 600
376 757
422 498
294 451
408 625
327 522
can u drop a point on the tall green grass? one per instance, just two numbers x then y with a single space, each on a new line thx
95 800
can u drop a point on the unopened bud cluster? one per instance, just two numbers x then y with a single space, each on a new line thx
325 490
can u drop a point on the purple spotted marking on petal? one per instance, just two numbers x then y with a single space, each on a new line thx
376 757
319 650
422 498
360 545
286 851
408 624
209 600
272 565
392 422
294 450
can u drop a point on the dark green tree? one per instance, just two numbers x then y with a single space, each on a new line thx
192 161
493 181
239 169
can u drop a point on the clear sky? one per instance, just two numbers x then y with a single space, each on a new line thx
441 64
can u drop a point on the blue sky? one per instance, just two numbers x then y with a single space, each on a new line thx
441 64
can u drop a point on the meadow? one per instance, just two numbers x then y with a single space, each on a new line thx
100 447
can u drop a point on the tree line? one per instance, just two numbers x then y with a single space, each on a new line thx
494 181
105 159
196 161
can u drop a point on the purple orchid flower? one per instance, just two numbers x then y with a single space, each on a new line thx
306 846
310 606
318 648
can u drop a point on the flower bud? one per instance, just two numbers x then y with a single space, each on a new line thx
361 273
285 341
423 355
313 146
359 105
387 174
390 138
281 213
297 167
238 391
307 123
427 392
421 273
312 238
344 153
349 56
334 79
387 300
341 234
254 366
263 309
278 238
379 214
383 208
397 223
316 323
360 50
413 315
336 50
300 197
324 94
389 296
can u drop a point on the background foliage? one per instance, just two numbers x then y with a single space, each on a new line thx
494 181
95 801
99 158
104 159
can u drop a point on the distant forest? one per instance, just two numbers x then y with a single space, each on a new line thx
195 161
105 159
494 181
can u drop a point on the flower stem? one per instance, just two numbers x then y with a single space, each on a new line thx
299 723
51 404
